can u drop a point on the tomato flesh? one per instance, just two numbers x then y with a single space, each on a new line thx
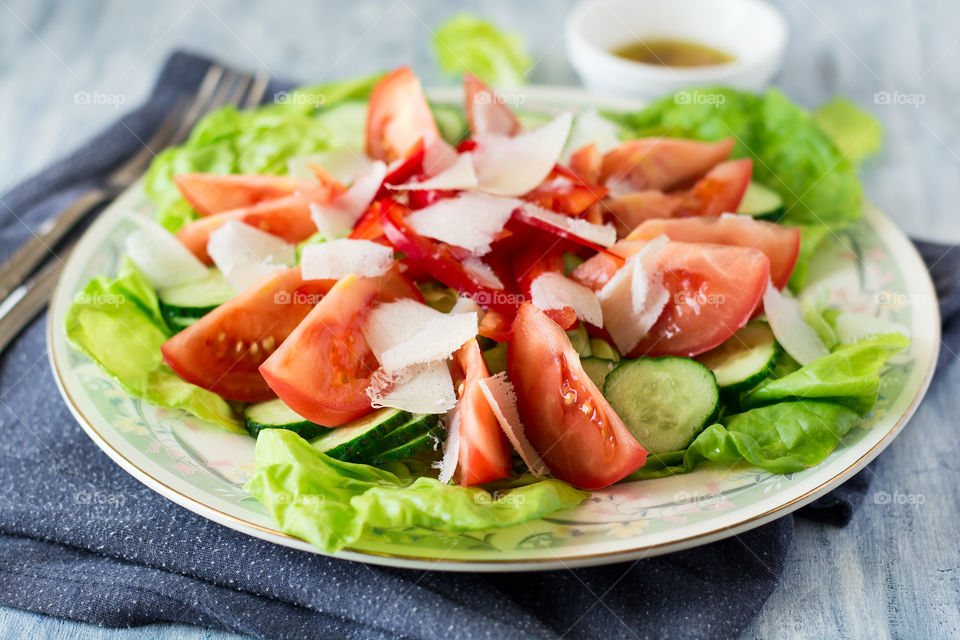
398 116
288 218
323 369
662 163
209 193
565 417
531 262
484 454
487 113
780 244
714 290
222 351
718 192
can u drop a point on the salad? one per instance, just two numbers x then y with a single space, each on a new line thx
468 319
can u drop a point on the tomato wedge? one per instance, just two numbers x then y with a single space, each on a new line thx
626 212
586 162
288 218
714 290
398 116
566 192
209 193
223 350
718 192
662 163
487 113
780 244
323 369
565 417
484 454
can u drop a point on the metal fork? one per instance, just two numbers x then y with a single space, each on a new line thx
23 300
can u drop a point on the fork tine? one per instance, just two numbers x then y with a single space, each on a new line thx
260 82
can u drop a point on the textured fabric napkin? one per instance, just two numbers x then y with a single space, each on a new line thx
137 558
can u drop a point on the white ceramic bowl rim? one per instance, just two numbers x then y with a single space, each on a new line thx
593 27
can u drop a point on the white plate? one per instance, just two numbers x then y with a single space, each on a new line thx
873 268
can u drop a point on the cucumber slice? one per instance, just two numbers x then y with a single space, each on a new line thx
197 298
414 428
745 359
274 414
761 202
407 449
597 369
450 122
600 348
343 442
580 340
175 322
664 402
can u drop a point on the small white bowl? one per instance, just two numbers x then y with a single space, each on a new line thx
752 31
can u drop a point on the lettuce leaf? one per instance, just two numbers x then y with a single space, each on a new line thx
856 133
256 141
117 323
848 376
468 43
329 503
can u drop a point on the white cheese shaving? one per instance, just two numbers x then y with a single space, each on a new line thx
422 388
513 166
470 221
502 399
451 446
163 260
245 254
337 218
786 321
437 340
335 259
604 235
633 299
392 323
459 175
589 126
554 291
482 273
343 165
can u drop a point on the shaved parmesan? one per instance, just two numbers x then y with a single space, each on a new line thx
343 165
633 299
465 304
245 254
502 399
482 274
589 127
459 175
513 166
437 340
451 447
392 323
604 235
163 260
424 388
337 218
786 321
438 156
335 259
554 291
471 220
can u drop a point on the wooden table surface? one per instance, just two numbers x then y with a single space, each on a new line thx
68 69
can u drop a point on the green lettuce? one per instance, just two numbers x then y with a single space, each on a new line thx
795 419
856 133
255 141
117 323
848 376
329 502
467 43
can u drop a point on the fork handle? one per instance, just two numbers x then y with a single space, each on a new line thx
43 242
28 300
